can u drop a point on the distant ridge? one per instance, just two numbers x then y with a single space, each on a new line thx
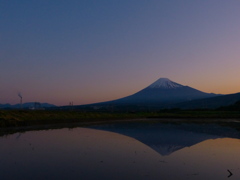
28 105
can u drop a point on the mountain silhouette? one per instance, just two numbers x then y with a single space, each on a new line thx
160 94
164 94
164 91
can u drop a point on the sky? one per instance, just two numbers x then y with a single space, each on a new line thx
87 51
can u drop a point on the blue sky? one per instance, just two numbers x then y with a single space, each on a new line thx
90 51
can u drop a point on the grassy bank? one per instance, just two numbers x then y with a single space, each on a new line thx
16 118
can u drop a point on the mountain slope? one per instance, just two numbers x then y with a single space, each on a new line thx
232 107
210 103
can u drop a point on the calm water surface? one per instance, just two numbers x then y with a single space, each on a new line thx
123 151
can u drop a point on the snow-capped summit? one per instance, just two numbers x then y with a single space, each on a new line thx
165 83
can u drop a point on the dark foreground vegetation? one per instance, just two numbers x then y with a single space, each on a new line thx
17 118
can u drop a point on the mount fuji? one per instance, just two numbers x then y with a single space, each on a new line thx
162 92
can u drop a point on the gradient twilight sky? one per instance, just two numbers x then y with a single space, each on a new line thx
89 51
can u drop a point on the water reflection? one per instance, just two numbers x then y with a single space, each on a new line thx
168 138
145 151
208 160
80 153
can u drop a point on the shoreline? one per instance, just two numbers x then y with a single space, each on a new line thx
231 122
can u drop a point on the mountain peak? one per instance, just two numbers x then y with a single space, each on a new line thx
165 83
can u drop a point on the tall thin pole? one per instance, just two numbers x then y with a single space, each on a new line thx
19 95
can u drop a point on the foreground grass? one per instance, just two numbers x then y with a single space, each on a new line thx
17 118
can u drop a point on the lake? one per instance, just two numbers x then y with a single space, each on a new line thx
127 150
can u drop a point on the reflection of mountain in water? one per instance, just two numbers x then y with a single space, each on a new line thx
168 138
